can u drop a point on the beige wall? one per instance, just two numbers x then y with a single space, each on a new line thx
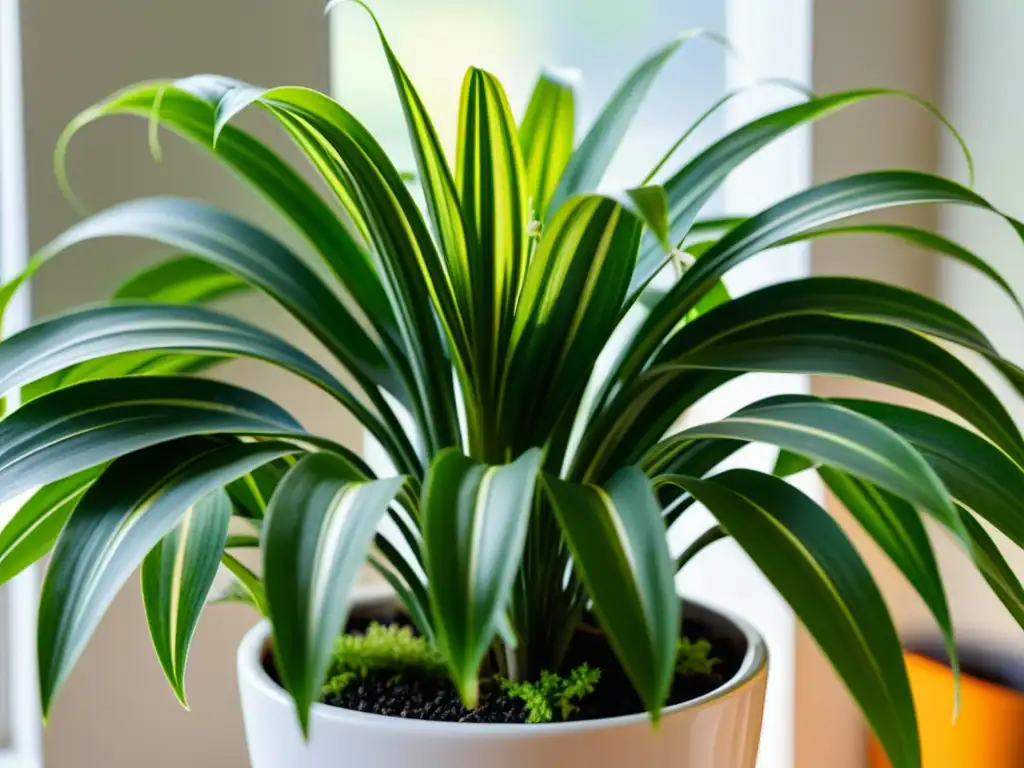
116 711
898 45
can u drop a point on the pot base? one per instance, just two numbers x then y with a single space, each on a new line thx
718 730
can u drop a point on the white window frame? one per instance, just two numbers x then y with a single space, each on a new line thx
19 706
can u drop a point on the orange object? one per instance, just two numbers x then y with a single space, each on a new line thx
989 732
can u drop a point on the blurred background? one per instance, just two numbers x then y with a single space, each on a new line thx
116 709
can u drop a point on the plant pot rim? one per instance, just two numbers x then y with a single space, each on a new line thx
250 664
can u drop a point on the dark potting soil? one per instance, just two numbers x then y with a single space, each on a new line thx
431 698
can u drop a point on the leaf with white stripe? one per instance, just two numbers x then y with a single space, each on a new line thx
839 438
546 136
32 531
319 526
176 578
475 519
617 538
136 502
812 564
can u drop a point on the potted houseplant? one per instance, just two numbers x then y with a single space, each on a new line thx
524 528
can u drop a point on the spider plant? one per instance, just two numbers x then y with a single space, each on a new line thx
535 485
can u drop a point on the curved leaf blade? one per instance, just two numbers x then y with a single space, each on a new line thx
34 528
135 502
98 332
491 179
806 556
617 539
253 256
176 578
81 426
799 213
896 527
312 552
475 521
546 136
188 107
569 306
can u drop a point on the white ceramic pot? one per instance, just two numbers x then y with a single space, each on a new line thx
719 730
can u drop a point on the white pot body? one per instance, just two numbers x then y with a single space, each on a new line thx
719 730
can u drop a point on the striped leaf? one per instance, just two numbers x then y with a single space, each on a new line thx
99 332
75 428
896 527
436 180
136 501
802 212
979 475
176 578
189 109
250 254
839 438
413 273
806 556
690 188
619 550
492 186
34 528
546 136
475 519
568 307
318 530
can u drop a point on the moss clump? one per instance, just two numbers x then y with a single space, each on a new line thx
553 693
390 648
692 658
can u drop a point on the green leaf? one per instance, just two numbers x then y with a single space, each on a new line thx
978 474
136 501
435 178
248 581
475 519
176 578
98 332
33 529
78 427
650 205
788 463
919 237
617 539
897 528
546 136
568 307
839 438
993 566
812 564
180 280
692 186
419 288
189 109
591 159
312 553
492 187
840 347
253 256
799 213
251 494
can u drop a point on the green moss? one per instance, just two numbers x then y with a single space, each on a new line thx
388 648
554 694
692 658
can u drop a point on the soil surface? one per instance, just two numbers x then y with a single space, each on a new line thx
430 698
